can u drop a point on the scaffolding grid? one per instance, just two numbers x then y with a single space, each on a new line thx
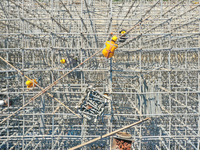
155 73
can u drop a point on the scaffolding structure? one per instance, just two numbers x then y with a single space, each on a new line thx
155 73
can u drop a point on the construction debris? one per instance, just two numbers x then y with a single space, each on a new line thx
92 103
123 141
122 144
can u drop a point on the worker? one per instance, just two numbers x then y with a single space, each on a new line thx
108 51
195 2
62 61
29 83
71 61
4 103
123 37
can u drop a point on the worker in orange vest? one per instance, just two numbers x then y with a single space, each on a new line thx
108 51
29 83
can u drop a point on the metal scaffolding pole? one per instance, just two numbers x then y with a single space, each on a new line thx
155 73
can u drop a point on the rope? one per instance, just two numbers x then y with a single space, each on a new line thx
51 85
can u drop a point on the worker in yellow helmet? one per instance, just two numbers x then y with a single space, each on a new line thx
123 37
62 61
108 51
29 83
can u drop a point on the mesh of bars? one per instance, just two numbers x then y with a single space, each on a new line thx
155 73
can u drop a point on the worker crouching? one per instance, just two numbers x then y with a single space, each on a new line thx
5 103
30 84
108 51
123 37
62 61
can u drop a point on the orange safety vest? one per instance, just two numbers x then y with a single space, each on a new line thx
110 48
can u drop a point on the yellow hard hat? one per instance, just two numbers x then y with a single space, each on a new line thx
62 61
28 83
114 38
123 32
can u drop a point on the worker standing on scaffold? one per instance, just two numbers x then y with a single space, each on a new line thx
108 51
